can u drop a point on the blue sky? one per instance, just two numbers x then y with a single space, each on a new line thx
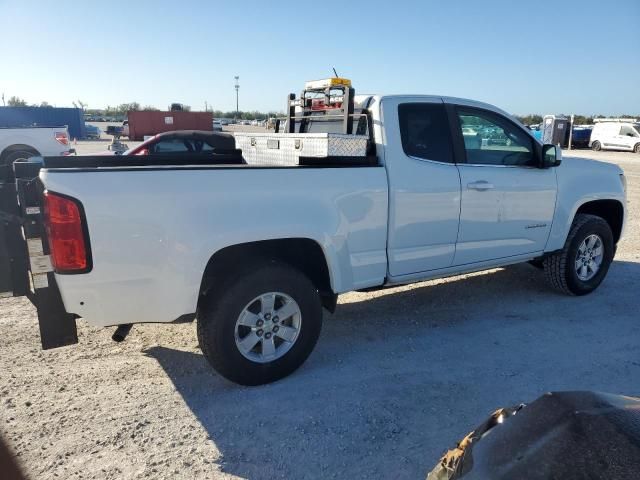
527 57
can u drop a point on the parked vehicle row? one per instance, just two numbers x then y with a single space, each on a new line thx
93 132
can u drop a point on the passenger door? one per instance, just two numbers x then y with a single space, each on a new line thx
507 201
627 137
424 185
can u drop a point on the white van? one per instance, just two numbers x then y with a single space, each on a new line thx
616 136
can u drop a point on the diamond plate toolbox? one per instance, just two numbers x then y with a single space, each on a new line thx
284 149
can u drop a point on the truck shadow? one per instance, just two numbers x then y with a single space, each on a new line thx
398 378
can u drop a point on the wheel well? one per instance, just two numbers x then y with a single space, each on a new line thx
301 253
17 148
609 210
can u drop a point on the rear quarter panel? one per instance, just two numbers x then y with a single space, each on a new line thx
152 232
41 139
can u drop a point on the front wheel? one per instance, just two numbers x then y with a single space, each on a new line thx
262 326
582 264
636 149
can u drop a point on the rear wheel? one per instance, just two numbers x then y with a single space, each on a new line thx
8 159
263 326
11 157
636 149
596 146
585 259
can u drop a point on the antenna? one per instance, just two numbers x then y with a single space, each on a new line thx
335 73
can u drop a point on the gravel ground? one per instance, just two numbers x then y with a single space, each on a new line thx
397 377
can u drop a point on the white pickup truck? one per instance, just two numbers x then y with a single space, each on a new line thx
21 143
255 252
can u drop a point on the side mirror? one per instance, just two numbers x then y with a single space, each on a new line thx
551 156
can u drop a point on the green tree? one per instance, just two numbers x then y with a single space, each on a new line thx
16 102
123 108
530 119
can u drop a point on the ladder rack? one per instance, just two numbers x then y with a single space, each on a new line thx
321 98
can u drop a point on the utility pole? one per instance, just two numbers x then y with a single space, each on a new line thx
237 85
571 131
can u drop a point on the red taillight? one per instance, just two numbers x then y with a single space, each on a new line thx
62 137
63 221
319 104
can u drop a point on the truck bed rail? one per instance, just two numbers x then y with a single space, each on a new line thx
199 161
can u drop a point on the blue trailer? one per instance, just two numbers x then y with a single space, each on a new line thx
44 117
580 136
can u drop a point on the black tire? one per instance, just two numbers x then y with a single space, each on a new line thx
537 263
559 269
636 148
219 312
596 146
11 157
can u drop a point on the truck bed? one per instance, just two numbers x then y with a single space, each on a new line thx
154 238
153 222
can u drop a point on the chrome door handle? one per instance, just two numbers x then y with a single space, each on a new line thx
481 185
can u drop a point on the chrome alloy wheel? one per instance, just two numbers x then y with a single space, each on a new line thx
589 257
268 327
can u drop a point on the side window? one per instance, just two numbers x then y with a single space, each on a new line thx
627 131
490 139
197 145
170 145
424 130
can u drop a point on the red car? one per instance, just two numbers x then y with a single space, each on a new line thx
184 142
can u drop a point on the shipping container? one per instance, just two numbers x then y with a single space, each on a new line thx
72 118
152 123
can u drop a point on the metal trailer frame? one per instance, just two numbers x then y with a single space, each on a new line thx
305 103
57 327
13 254
27 269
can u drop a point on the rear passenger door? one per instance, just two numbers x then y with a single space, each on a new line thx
627 137
424 185
507 202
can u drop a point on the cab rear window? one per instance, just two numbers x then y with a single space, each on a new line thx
424 130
